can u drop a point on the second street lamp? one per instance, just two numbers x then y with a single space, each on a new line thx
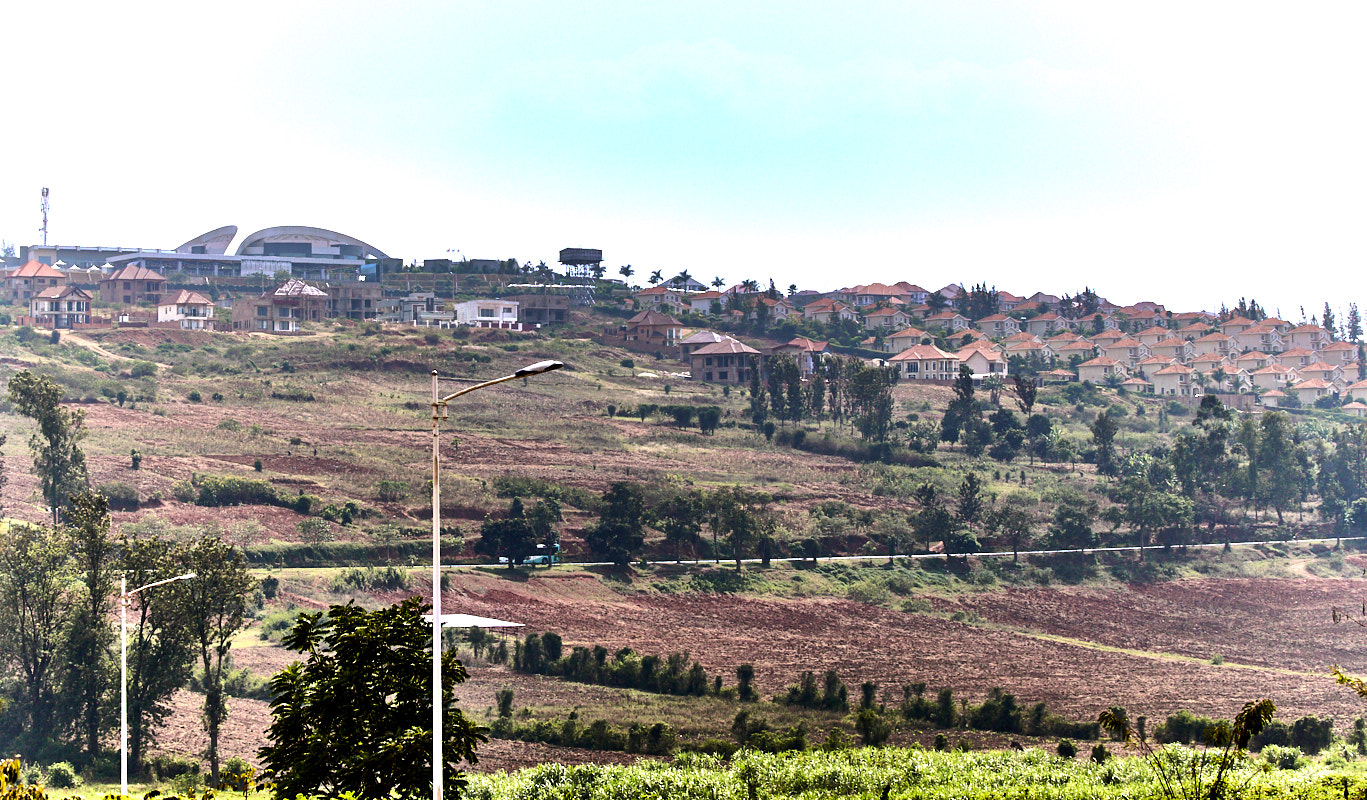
438 414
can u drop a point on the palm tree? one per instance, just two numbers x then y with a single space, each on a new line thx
656 277
718 282
792 289
683 278
750 285
1219 375
598 270
627 272
994 385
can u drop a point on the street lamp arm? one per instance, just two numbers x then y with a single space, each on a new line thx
534 369
184 577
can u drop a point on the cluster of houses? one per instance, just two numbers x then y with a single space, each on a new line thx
1143 347
63 299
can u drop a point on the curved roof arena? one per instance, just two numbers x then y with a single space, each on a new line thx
254 243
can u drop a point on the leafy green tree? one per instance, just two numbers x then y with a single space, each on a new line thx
709 417
1071 528
216 605
680 519
1281 469
511 537
971 502
160 642
330 736
1104 430
58 459
544 520
759 404
962 409
89 674
619 534
931 521
1014 520
35 606
742 516
1027 389
1354 323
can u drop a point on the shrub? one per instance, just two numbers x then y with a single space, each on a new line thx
136 458
237 774
194 396
270 585
256 465
504 698
1100 754
1284 757
1066 748
55 338
391 491
628 363
143 369
121 496
62 776
165 766
217 397
314 529
229 424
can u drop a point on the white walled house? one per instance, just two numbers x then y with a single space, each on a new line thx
190 310
486 313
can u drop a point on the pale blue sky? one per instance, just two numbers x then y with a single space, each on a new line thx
1187 154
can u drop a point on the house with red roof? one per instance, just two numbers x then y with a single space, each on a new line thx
1311 390
925 362
60 307
1045 324
886 318
827 310
727 361
701 302
187 310
1235 325
663 299
1341 353
1128 351
1099 368
1311 337
1273 376
1297 357
1175 379
998 326
30 279
948 321
984 359
1217 343
132 285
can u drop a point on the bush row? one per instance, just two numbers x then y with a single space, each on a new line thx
657 739
543 654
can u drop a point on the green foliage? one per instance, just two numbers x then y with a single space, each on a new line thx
619 533
57 457
62 775
121 496
541 654
1067 749
327 737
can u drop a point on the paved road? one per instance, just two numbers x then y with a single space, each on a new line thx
918 556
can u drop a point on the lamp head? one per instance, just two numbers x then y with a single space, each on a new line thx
538 368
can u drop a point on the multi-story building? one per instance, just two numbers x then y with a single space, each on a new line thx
132 285
189 310
30 279
281 310
60 307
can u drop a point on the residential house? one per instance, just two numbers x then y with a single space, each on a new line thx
1309 391
925 362
1253 361
1273 399
806 352
542 309
1341 353
1099 368
1152 364
1281 325
1311 337
1050 300
1174 348
1235 325
282 309
685 283
1175 379
1137 384
1217 343
1329 373
1297 357
361 300
886 319
1023 336
1141 318
1188 317
948 321
1058 376
828 310
60 307
1273 376
998 326
901 340
1194 331
777 309
701 303
699 339
1128 351
910 293
1208 363
424 307
1035 352
870 294
1358 390
727 361
1081 349
983 359
1008 302
30 279
952 292
487 313
1045 324
1354 409
1153 335
662 299
651 330
187 310
1060 339
1106 336
131 285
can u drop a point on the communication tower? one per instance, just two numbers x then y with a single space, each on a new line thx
44 207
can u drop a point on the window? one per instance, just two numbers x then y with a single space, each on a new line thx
127 285
721 375
486 312
261 311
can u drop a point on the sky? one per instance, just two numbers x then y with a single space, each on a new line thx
1185 153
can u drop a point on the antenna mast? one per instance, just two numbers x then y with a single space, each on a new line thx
44 206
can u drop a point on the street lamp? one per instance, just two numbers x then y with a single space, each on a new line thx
439 414
124 597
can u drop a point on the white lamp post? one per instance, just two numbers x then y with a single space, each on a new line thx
438 414
124 597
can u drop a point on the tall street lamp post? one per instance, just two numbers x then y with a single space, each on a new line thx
438 414
125 597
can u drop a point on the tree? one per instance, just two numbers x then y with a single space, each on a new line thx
510 537
656 277
742 516
1072 525
328 736
971 502
680 519
57 459
1354 324
1014 521
216 605
1104 430
1026 391
759 408
90 638
35 605
962 409
160 643
626 273
1281 470
619 534
1327 321
717 282
932 521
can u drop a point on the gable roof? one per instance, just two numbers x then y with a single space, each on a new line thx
729 346
297 288
36 269
185 297
704 338
921 352
132 273
58 292
652 317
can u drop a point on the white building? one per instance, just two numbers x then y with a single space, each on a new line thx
487 313
192 310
